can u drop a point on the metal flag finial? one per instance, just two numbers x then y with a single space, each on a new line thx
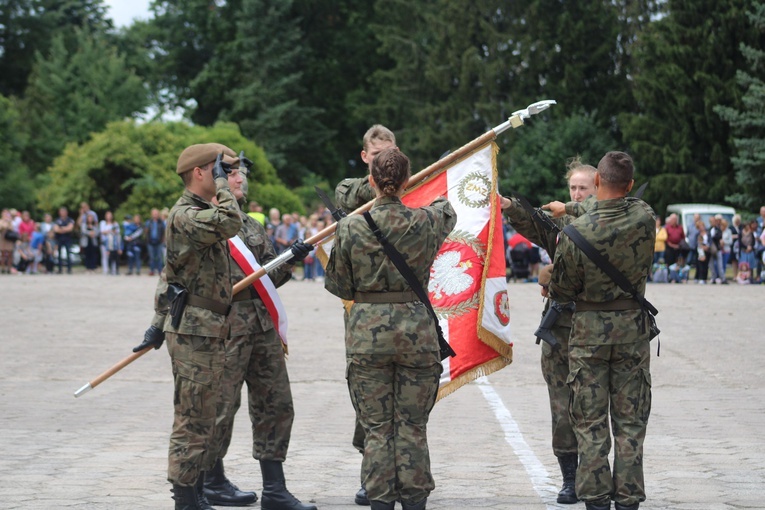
534 108
516 119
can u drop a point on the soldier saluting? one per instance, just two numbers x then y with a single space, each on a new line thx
255 355
196 286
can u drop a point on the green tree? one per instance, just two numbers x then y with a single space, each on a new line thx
16 182
342 54
239 61
462 67
130 168
747 122
28 26
685 66
76 91
181 39
539 151
256 81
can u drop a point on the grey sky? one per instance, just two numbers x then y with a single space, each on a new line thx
124 11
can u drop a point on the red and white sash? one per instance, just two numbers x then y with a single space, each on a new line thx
264 286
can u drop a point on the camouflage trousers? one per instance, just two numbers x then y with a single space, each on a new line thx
258 360
393 395
358 436
197 369
555 371
615 376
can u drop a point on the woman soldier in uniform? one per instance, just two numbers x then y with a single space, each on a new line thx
392 350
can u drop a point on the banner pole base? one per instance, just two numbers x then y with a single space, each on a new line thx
83 390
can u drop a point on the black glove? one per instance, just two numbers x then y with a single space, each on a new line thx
153 337
245 162
300 251
221 169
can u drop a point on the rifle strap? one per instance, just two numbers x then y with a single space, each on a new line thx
398 260
608 268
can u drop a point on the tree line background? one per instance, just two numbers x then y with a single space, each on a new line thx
295 83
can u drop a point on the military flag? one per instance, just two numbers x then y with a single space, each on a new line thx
467 285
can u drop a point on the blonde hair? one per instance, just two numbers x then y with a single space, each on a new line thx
575 165
378 132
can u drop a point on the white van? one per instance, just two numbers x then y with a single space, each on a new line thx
685 213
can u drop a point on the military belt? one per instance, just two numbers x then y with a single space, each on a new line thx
209 304
607 306
247 294
385 297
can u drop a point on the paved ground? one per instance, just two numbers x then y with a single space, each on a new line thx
489 440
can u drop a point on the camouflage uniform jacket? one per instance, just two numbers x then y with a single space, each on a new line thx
198 259
351 194
359 264
623 229
525 225
243 313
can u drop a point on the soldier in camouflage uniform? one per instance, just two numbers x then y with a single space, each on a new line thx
351 194
609 356
581 182
255 355
392 351
198 261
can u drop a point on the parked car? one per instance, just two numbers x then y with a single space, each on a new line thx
685 213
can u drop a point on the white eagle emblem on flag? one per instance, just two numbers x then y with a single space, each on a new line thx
448 275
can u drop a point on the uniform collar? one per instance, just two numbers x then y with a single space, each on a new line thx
197 200
386 201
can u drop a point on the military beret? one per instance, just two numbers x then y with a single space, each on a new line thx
201 154
234 162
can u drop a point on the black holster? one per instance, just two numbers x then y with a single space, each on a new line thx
544 331
177 297
444 349
650 320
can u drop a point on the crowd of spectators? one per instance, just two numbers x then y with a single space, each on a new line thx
714 253
709 253
284 229
52 246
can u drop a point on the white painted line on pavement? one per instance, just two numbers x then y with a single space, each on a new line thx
540 478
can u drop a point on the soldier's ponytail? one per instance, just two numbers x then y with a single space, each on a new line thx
390 171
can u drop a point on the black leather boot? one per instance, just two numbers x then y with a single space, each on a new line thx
619 506
361 496
568 464
420 505
382 505
275 495
192 497
185 497
599 505
220 491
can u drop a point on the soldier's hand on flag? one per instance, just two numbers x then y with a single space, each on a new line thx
505 203
558 209
152 338
300 251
